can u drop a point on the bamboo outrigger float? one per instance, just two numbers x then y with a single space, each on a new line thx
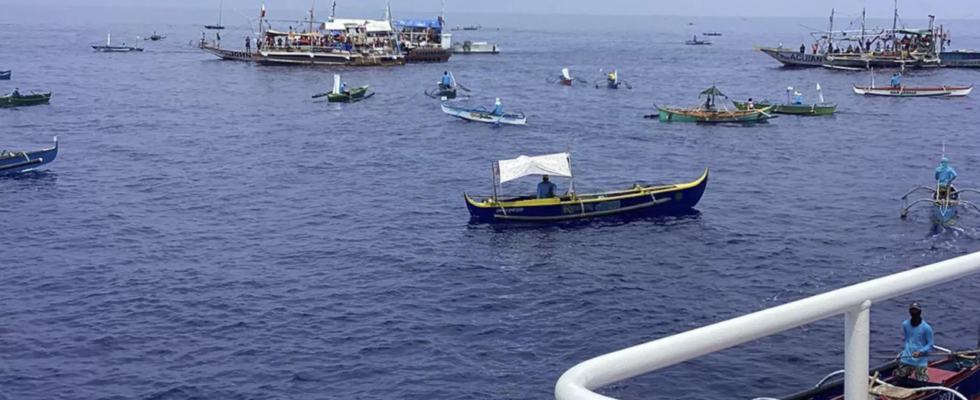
15 162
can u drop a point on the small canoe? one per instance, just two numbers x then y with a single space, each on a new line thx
439 92
904 91
13 162
32 99
352 96
5 75
700 115
697 42
481 114
214 27
792 109
155 38
116 49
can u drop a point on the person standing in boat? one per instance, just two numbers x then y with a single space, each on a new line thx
248 44
802 48
343 88
945 175
918 342
815 47
612 77
447 81
799 98
750 105
896 80
498 109
546 189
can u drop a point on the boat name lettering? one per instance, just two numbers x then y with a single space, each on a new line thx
802 57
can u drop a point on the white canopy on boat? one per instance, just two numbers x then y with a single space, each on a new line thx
556 164
369 25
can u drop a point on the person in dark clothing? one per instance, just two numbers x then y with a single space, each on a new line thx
248 44
802 49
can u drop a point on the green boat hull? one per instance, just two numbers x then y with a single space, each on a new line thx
25 100
794 109
680 115
354 95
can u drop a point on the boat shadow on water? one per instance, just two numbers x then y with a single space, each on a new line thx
43 176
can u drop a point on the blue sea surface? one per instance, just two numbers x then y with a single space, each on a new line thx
209 231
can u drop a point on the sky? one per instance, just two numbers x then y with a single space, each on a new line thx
917 9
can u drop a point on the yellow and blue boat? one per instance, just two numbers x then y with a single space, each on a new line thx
651 201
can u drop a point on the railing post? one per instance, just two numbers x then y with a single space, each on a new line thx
857 333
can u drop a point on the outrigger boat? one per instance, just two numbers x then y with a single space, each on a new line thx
440 91
154 37
13 162
697 42
5 75
708 113
109 48
954 377
32 99
565 79
481 114
348 96
905 91
792 108
612 81
646 200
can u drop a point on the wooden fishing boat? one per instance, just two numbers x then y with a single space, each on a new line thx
24 100
349 96
905 91
565 79
950 378
711 34
154 37
791 108
481 114
109 48
5 75
708 112
945 203
14 162
613 83
697 42
645 200
440 92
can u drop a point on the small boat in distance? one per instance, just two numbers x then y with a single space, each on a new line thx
13 162
644 200
467 28
710 34
481 114
468 47
21 100
5 75
221 7
611 81
347 95
708 112
154 37
697 42
443 92
565 79
905 91
791 107
109 48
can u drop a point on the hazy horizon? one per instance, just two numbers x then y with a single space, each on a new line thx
944 9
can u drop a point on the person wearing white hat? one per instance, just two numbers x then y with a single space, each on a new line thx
498 109
799 98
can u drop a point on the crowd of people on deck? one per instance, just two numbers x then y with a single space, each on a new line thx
907 44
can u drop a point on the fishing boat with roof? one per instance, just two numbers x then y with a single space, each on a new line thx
15 162
16 99
496 116
109 48
709 113
859 49
342 94
5 75
611 81
943 198
336 42
898 90
791 107
697 42
548 206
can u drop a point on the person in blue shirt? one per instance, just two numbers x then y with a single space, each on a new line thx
897 80
799 98
343 88
945 175
446 82
498 109
546 190
15 92
918 343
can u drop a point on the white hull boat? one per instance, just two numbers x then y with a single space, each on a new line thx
903 91
481 114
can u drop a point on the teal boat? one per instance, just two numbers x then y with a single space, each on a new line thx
791 108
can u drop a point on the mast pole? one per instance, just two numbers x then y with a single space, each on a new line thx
221 8
830 32
863 14
895 24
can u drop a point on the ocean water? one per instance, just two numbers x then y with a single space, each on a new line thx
209 231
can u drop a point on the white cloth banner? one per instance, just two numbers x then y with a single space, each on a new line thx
551 164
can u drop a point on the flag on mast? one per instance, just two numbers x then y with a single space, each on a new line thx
262 13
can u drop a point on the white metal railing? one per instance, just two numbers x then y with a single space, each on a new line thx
853 301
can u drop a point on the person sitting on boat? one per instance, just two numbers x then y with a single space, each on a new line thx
799 98
945 175
15 92
612 77
850 49
498 109
749 105
447 82
546 189
918 342
343 88
897 80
